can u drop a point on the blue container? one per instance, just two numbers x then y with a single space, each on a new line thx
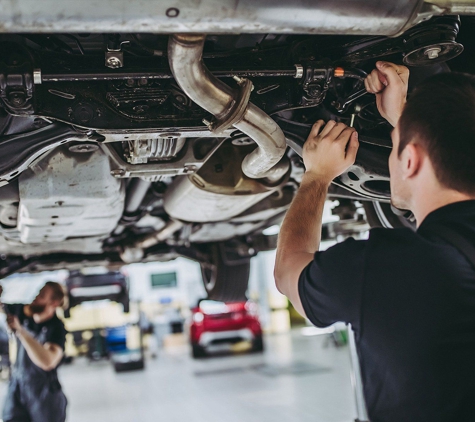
116 339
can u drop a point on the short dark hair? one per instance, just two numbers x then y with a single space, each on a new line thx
440 116
57 291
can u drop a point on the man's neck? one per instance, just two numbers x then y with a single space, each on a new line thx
430 201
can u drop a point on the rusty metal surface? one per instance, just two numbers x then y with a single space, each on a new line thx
355 17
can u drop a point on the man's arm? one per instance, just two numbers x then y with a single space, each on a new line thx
329 150
46 356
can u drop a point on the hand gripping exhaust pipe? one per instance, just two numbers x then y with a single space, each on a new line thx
230 108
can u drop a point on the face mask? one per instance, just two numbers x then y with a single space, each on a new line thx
37 309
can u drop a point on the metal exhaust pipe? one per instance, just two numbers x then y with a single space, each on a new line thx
230 108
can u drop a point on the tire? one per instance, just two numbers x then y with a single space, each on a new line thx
197 351
258 344
129 366
224 280
380 214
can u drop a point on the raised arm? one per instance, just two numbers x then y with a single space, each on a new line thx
46 356
329 150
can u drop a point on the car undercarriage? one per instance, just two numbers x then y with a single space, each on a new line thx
121 146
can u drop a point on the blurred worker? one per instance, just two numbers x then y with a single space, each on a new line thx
34 393
409 295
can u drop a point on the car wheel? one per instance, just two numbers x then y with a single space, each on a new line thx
224 280
197 351
258 344
381 214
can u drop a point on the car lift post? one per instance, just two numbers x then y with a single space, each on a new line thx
356 381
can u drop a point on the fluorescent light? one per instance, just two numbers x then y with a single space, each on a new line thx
95 291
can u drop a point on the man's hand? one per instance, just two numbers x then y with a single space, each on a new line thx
389 82
330 150
13 323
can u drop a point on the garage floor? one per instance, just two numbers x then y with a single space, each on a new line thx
296 379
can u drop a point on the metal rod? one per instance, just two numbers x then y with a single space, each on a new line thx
165 74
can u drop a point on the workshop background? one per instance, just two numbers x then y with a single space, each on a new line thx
139 365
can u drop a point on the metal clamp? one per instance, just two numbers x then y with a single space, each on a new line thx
236 112
115 56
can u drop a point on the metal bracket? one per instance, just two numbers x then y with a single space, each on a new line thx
185 163
115 56
316 83
16 82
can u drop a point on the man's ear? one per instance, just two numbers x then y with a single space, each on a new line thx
412 156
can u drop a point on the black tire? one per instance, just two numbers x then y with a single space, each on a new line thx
224 280
197 351
129 366
258 344
381 214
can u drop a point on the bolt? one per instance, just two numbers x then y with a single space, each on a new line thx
130 82
143 81
118 172
208 123
432 53
189 169
336 104
113 62
17 99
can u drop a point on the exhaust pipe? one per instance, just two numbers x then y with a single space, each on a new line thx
135 252
230 108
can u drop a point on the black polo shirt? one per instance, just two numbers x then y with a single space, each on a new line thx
53 328
410 297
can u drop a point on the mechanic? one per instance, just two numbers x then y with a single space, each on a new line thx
34 393
410 296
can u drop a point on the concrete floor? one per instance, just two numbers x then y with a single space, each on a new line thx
297 379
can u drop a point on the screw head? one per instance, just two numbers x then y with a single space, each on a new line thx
432 53
113 62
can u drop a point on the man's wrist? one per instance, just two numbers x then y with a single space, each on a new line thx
316 178
394 118
20 332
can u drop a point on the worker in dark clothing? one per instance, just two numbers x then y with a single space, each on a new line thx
409 295
34 393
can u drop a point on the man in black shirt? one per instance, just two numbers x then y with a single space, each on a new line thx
410 296
34 393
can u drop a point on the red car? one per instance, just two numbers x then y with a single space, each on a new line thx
215 323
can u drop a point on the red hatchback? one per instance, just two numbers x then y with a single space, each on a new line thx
216 323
